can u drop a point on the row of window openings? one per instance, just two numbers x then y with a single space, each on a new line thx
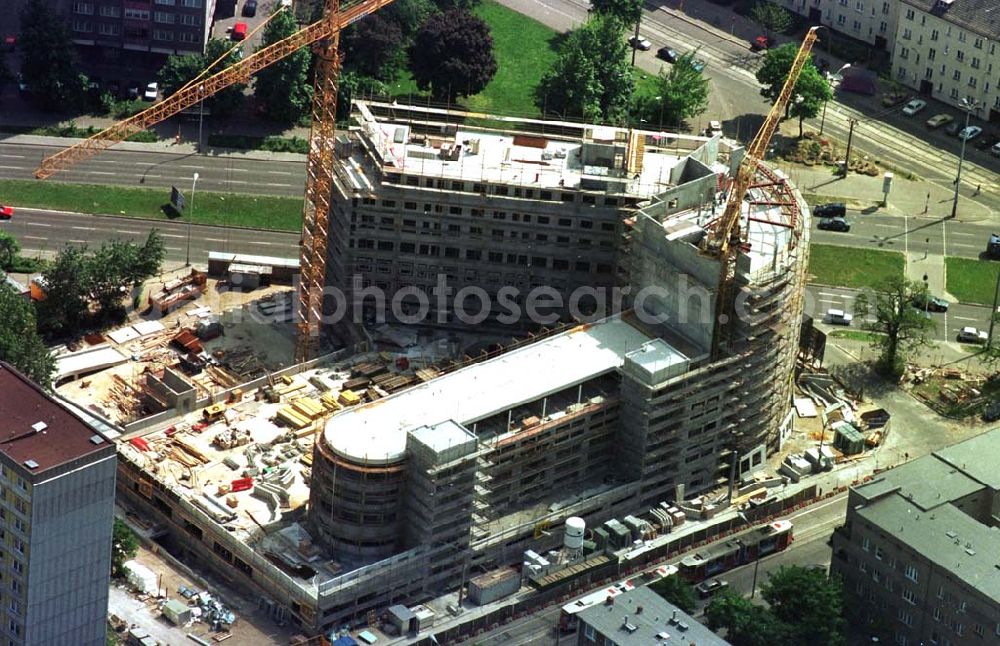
974 62
87 8
500 190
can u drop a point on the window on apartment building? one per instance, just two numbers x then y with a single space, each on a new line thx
164 17
110 12
910 14
904 53
878 553
841 20
15 607
859 6
193 4
979 630
961 36
972 82
82 26
957 75
907 34
959 55
18 545
931 53
934 34
167 3
977 43
866 544
962 606
954 93
974 63
137 14
959 629
188 37
885 7
900 638
14 627
911 573
905 617
106 29
908 596
857 26
85 8
863 566
191 20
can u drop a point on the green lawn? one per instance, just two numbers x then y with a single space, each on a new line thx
262 212
524 49
850 267
972 281
855 335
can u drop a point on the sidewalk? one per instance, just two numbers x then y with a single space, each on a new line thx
863 193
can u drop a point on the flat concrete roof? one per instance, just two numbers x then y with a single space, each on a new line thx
976 457
376 432
927 483
948 537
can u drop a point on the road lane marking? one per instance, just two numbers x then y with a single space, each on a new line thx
84 228
963 318
33 238
174 249
962 244
213 239
171 235
38 224
830 294
100 172
78 241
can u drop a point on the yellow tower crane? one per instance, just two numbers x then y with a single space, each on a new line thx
725 238
324 36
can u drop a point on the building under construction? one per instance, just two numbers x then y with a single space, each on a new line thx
402 497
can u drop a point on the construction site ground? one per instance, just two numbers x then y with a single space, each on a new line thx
245 330
252 627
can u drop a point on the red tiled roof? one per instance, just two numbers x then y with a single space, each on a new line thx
22 405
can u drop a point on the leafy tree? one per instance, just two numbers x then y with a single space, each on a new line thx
627 11
20 345
49 62
678 592
809 602
745 623
9 250
902 327
452 55
771 18
65 304
591 77
376 48
179 70
810 85
463 5
283 88
408 15
681 93
124 545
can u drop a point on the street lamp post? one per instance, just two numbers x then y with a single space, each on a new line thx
969 107
829 80
850 138
201 118
659 99
993 314
187 255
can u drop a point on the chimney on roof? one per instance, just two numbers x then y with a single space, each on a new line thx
638 610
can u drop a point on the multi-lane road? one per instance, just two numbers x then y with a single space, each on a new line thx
45 232
137 166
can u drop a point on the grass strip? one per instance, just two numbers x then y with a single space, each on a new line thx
853 267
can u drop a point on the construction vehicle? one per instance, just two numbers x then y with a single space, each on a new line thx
725 238
324 36
179 290
213 413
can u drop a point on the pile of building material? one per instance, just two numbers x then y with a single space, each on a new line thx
178 291
242 362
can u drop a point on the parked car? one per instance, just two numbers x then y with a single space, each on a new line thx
239 31
995 149
250 8
759 43
914 106
892 99
834 224
930 303
992 412
638 42
6 212
152 90
971 335
838 317
953 128
830 210
939 120
970 132
668 54
711 587
698 64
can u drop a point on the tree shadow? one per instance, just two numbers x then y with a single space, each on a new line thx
557 40
862 379
169 211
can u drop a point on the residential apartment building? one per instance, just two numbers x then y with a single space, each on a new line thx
918 551
945 49
949 50
869 21
155 26
57 487
641 617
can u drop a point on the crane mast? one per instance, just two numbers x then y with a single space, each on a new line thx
324 36
725 239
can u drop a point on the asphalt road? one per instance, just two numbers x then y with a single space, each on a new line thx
910 235
45 232
819 299
228 173
887 136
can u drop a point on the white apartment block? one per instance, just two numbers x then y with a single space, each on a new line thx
869 21
948 50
